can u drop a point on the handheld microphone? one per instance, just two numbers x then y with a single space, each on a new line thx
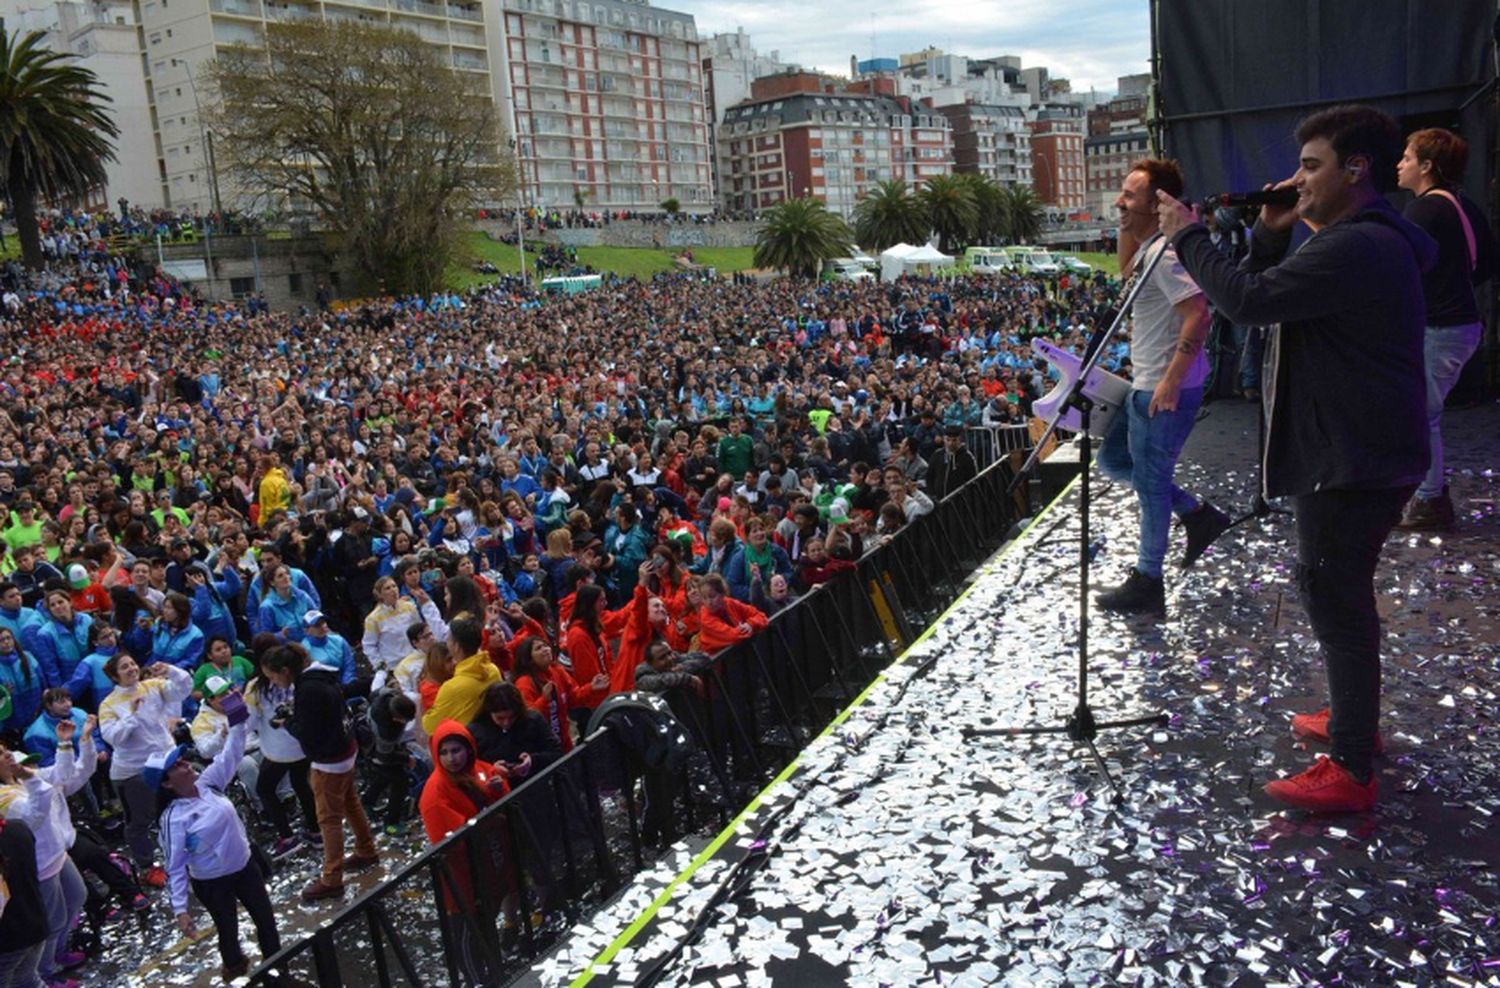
1286 198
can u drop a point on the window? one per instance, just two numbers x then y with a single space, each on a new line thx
294 282
244 286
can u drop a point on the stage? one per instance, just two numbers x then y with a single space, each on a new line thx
899 853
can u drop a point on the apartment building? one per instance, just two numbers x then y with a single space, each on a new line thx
607 97
730 66
178 38
799 136
101 35
1117 138
1057 161
993 140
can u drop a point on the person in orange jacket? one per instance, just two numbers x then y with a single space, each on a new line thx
725 620
545 687
459 787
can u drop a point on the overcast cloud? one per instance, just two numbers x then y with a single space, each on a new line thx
1090 42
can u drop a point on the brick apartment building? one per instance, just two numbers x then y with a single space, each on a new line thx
800 135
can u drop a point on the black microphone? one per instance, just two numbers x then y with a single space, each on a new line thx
1285 198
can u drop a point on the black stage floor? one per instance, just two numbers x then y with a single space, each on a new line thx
901 854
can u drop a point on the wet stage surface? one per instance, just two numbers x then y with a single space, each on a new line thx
900 852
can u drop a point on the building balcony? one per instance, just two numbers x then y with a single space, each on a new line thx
419 7
462 13
236 8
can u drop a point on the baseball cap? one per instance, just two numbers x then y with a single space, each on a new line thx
311 618
216 686
78 576
159 764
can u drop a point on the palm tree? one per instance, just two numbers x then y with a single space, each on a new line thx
889 214
54 132
1023 214
798 235
991 215
951 210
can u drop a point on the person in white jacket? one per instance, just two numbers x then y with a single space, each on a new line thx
385 643
136 720
206 849
210 732
281 757
39 797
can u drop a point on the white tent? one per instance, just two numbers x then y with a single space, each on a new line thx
891 259
904 259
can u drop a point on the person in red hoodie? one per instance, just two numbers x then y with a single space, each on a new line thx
459 788
587 645
545 687
724 620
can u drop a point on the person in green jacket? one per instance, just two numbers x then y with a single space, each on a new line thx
736 450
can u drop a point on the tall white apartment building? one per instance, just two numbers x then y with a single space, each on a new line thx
102 35
178 38
607 97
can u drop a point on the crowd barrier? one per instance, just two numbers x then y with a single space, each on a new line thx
486 901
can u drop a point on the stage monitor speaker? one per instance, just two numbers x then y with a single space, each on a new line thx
1234 78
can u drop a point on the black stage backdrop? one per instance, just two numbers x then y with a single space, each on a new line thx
1234 77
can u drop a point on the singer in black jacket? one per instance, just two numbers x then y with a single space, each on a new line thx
1346 438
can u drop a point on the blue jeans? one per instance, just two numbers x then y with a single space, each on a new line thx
1445 349
1142 450
63 895
18 967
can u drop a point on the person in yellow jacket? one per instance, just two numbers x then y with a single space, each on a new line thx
275 492
460 697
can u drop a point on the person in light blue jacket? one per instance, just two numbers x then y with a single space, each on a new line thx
283 609
41 736
328 648
209 591
21 684
177 641
23 621
62 640
260 588
89 684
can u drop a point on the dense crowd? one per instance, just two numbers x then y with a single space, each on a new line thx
466 519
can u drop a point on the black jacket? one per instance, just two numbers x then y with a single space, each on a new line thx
528 735
1346 387
318 720
24 923
948 471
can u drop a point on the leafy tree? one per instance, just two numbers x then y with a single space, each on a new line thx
55 134
1023 214
889 214
389 144
951 210
671 206
798 235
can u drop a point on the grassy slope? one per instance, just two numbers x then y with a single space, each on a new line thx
1109 262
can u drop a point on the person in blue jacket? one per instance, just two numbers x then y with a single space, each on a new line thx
41 736
209 591
260 588
756 555
177 641
21 684
89 684
282 610
327 648
23 621
63 639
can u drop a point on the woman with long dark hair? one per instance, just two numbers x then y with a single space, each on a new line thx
545 687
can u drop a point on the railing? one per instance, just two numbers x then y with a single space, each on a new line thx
570 836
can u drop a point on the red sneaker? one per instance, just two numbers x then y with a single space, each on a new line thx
1314 727
154 876
1327 787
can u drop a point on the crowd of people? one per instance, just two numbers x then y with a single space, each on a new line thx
467 520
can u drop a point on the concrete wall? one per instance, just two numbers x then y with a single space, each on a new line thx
287 272
633 234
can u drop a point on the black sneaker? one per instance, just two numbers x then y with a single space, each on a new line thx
1203 524
1139 594
1429 514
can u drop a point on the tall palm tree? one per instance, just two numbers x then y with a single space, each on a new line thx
1023 214
991 215
889 214
798 235
55 135
951 210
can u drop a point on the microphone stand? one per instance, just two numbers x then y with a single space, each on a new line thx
1259 507
1081 726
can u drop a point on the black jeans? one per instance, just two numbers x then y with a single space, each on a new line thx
91 856
1339 537
269 781
219 896
391 780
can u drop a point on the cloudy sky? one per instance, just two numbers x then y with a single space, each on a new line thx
1091 42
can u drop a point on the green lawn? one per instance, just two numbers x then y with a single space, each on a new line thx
1109 262
641 262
